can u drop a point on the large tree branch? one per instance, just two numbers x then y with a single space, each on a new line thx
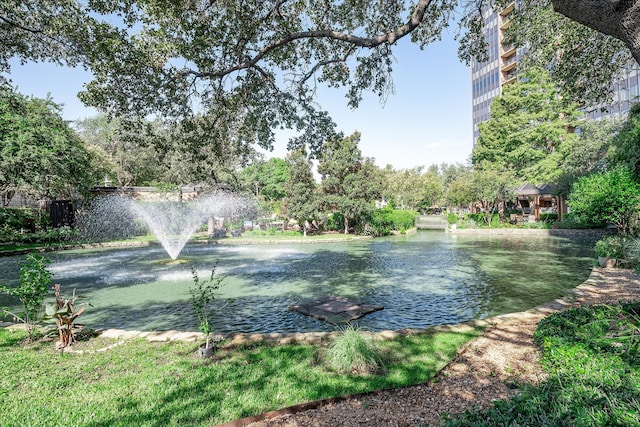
390 37
616 18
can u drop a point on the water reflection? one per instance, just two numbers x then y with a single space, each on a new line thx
422 280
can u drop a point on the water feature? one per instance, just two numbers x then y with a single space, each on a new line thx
172 222
426 279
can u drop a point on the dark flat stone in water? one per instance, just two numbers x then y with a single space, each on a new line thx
335 310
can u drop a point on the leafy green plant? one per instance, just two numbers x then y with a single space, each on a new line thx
202 297
353 351
335 221
608 197
452 218
34 282
548 217
611 247
65 312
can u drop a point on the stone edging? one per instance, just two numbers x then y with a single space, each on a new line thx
530 232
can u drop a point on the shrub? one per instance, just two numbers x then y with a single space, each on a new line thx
570 221
202 297
23 219
335 222
607 197
632 251
452 218
383 221
481 219
610 246
65 312
354 352
548 217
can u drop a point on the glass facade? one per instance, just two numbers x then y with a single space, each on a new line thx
485 78
488 78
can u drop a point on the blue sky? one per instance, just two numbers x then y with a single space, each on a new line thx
426 121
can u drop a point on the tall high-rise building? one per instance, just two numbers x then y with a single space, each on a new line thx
488 78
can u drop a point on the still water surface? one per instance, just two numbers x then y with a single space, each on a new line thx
426 279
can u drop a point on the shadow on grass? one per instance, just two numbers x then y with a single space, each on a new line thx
266 378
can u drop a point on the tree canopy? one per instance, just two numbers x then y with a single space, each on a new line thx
529 124
301 201
237 71
606 197
40 155
350 183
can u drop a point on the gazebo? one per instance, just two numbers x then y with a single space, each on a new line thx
536 200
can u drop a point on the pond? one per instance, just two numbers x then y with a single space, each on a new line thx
426 279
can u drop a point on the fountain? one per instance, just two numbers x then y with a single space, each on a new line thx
171 222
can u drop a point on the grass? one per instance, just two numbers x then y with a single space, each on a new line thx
592 356
164 384
353 351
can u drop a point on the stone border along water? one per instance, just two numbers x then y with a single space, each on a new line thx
531 232
235 340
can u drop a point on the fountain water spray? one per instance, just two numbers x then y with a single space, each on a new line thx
171 222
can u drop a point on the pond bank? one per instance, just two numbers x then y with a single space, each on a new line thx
531 232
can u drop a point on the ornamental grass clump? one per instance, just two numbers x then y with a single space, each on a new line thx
354 351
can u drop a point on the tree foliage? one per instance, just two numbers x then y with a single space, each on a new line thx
54 31
236 71
40 155
606 197
491 188
625 146
529 124
267 178
459 191
300 189
583 62
350 183
587 154
130 153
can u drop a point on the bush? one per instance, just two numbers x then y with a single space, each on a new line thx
548 217
23 219
354 352
383 221
570 222
481 219
335 222
610 246
452 218
607 197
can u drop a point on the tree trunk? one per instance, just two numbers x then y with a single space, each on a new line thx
616 18
346 225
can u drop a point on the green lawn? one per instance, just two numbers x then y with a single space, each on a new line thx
162 384
592 356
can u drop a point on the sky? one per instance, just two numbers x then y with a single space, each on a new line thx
426 121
